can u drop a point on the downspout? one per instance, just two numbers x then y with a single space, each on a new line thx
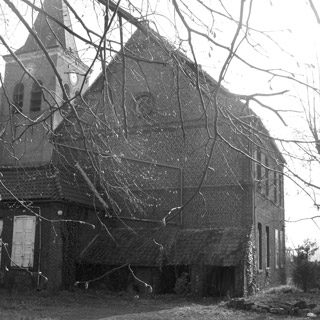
181 196
39 247
253 207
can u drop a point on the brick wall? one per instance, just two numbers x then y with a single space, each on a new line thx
272 216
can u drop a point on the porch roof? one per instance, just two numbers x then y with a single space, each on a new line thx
43 183
171 246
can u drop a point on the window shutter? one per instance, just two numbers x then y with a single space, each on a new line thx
23 241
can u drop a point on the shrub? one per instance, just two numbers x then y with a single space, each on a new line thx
182 285
305 271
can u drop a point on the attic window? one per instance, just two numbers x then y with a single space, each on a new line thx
36 97
144 105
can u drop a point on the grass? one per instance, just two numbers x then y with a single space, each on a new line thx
94 305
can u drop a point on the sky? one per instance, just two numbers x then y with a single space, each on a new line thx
294 28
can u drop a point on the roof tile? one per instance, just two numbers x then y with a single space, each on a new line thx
44 182
146 247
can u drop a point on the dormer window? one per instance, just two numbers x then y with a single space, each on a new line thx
36 97
18 93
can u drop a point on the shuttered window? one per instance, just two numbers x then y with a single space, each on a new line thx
23 241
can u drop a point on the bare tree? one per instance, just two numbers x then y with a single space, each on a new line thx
220 33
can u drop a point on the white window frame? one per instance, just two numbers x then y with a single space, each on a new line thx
23 238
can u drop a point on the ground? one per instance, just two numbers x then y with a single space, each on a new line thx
94 305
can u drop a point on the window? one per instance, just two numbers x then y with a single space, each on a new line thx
281 249
275 185
23 241
259 172
268 246
1 228
260 245
36 97
67 90
77 99
280 191
276 247
267 176
18 93
66 95
263 173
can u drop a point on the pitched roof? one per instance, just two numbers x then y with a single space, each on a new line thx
50 33
28 183
148 247
45 183
192 72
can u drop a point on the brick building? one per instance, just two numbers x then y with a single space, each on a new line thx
187 186
31 195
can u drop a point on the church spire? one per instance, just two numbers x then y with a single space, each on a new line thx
25 98
49 32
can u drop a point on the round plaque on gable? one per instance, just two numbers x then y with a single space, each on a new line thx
144 105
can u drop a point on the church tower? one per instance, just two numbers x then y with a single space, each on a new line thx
33 102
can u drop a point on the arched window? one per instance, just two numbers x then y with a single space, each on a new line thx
36 97
66 95
77 99
67 90
18 92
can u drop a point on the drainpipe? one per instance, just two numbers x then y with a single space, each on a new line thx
181 196
39 247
